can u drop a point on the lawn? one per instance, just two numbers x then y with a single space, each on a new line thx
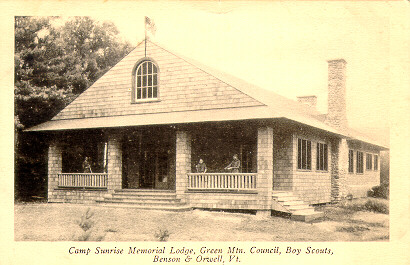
60 222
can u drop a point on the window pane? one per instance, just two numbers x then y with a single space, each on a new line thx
144 92
325 157
150 80
309 155
322 157
299 153
155 68
144 81
376 162
155 94
149 92
144 68
138 93
154 79
139 70
304 154
138 81
317 156
149 64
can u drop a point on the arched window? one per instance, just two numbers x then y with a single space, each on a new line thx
145 81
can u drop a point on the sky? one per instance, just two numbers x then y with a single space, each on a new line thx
281 46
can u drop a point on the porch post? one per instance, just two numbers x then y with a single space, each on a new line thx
265 170
339 167
55 166
114 162
183 162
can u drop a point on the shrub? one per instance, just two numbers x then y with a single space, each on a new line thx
162 235
376 206
381 191
86 224
372 205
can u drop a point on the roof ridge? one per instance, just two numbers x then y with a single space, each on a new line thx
200 66
251 92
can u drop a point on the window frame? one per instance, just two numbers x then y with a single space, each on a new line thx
307 152
376 162
369 162
359 164
351 161
322 163
134 87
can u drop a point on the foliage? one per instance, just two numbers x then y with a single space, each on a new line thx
377 206
371 205
381 191
162 235
86 224
353 229
55 60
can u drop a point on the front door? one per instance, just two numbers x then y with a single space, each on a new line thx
148 169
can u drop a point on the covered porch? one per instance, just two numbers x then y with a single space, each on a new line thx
164 158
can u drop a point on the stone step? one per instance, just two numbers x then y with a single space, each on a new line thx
296 202
282 193
306 216
151 202
173 208
305 211
288 198
299 210
145 192
298 207
144 197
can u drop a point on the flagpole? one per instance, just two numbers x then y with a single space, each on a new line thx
145 39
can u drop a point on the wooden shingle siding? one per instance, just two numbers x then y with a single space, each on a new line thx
182 87
358 184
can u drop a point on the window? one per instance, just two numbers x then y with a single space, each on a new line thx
321 156
369 162
145 81
304 154
359 165
376 162
350 161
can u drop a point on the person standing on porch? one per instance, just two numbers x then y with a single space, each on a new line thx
234 165
201 166
86 165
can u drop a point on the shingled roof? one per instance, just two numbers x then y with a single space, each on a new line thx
189 92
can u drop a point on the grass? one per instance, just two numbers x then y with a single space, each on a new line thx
59 222
370 204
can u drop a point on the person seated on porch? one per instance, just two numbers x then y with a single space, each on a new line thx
234 165
201 166
86 165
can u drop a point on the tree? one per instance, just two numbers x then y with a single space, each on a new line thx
53 64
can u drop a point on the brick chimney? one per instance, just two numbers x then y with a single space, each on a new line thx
308 100
336 105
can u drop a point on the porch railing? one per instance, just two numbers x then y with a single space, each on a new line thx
82 180
222 181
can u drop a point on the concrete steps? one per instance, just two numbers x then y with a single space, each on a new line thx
144 199
289 203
